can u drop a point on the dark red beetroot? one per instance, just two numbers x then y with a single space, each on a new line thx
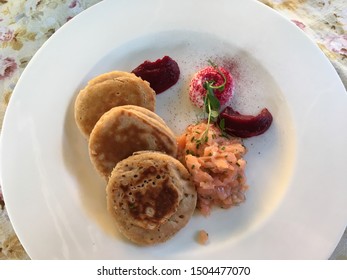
161 74
245 125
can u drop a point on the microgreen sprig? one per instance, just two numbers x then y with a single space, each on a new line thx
211 103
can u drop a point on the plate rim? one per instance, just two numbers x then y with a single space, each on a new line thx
47 45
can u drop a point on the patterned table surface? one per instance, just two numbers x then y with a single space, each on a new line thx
26 24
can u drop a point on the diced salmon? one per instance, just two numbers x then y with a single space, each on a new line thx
216 164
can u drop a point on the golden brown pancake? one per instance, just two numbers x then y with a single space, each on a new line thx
122 131
107 91
144 111
151 197
109 76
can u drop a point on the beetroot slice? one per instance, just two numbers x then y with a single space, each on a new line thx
161 74
245 126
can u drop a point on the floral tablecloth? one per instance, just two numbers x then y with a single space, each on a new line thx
26 24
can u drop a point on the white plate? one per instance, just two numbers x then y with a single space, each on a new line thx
297 202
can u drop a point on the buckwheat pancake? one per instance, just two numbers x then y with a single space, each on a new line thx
145 111
151 197
107 91
110 75
122 131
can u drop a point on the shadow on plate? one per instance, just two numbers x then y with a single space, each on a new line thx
91 187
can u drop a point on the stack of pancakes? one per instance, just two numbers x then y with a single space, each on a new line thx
149 192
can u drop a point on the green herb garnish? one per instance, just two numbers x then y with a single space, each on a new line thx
212 104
